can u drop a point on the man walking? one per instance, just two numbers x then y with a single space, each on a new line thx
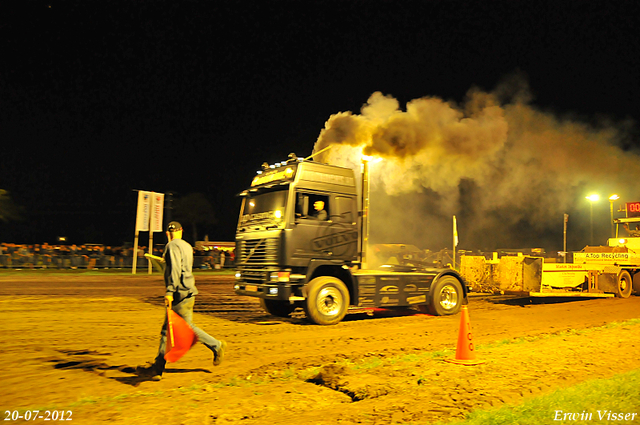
180 297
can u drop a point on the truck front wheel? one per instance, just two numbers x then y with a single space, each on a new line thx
277 308
446 296
327 301
625 284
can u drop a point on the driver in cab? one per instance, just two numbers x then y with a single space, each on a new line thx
632 233
319 212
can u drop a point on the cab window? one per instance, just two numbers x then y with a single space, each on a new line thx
312 206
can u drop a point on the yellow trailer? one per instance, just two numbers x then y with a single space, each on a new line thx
596 271
533 277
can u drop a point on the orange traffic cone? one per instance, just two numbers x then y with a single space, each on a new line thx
465 352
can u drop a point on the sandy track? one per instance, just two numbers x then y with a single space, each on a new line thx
76 338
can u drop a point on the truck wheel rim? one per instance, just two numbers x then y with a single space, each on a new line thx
623 284
329 301
448 297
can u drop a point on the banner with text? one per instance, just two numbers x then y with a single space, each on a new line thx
157 208
144 209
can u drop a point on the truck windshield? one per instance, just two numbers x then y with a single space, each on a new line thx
264 210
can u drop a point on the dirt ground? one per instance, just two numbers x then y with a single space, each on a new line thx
71 343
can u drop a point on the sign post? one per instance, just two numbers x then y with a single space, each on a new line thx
157 207
142 222
148 218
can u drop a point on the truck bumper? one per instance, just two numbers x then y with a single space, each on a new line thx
275 291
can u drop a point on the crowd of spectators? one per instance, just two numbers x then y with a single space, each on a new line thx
96 256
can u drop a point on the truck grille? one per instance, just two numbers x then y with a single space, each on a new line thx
254 276
258 252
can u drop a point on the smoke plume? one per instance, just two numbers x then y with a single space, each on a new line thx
508 170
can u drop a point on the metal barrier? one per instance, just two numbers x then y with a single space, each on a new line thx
72 262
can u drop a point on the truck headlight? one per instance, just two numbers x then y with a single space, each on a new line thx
273 291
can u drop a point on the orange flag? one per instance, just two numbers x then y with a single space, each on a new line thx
180 337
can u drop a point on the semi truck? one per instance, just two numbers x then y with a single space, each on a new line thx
301 242
612 270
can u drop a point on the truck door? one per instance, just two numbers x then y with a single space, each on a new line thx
344 229
312 213
325 228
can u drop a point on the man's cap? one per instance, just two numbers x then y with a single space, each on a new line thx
174 226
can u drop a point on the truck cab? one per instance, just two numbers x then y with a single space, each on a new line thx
299 244
628 236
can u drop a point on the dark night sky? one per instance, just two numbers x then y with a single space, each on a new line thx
100 98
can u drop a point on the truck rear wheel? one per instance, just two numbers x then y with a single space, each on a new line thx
446 296
327 300
277 308
625 284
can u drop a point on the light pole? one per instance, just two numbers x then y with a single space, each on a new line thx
611 199
592 198
564 252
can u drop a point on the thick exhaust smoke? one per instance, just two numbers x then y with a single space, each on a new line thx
507 170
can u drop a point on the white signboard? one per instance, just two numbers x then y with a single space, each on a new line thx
157 207
606 258
144 209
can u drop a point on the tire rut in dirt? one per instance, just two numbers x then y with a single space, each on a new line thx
357 387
